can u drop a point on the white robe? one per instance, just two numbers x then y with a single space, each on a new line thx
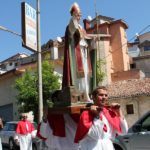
97 138
25 141
60 143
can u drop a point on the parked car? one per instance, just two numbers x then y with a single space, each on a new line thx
138 136
7 136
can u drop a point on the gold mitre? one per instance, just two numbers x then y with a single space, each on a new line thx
75 9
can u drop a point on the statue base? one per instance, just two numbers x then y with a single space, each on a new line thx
68 100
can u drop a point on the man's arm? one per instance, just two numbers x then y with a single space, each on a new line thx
124 125
123 122
16 137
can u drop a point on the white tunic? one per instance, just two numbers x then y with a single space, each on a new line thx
25 141
60 143
97 138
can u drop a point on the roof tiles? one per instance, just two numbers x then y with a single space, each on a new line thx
129 88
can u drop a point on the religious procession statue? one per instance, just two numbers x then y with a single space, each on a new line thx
79 77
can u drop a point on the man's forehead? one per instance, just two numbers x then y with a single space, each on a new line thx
102 91
24 114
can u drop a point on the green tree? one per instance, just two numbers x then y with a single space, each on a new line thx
100 73
27 87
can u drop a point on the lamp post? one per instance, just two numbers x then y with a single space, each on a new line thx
39 63
7 30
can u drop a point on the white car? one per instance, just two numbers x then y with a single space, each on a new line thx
7 136
138 136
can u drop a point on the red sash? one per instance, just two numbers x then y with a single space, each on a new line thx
57 123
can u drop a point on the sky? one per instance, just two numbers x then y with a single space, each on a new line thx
54 17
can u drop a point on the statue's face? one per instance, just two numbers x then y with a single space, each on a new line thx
77 16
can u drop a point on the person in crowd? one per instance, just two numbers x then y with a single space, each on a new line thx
42 145
24 133
77 65
58 131
1 124
101 123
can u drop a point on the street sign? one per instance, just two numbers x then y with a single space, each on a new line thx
29 27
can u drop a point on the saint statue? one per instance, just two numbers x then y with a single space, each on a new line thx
77 65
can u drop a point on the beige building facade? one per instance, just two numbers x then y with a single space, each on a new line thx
133 95
113 50
8 100
142 58
8 107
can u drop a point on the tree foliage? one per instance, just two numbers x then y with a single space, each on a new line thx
100 73
27 87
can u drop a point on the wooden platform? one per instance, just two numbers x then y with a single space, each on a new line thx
68 109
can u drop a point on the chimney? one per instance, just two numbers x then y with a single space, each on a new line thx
54 50
86 24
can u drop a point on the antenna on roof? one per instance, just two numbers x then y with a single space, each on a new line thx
96 16
95 7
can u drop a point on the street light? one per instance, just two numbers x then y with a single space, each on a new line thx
31 36
39 62
7 30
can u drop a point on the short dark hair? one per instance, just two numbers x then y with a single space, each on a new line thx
95 91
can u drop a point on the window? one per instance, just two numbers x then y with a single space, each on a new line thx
130 109
16 64
133 66
112 65
6 127
146 48
12 127
146 124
